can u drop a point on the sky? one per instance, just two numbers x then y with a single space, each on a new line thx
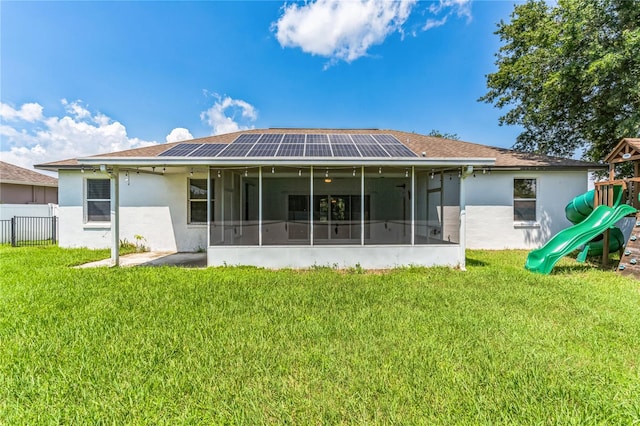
80 78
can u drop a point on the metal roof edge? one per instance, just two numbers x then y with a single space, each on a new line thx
351 161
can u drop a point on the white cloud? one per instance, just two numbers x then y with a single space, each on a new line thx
77 134
30 112
179 134
342 30
345 30
433 23
229 115
76 109
460 8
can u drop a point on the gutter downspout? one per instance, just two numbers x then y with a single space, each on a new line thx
463 217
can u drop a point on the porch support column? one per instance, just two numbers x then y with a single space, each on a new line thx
115 217
463 216
260 205
413 205
362 206
210 190
311 206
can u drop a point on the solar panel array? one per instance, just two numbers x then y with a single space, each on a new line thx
277 145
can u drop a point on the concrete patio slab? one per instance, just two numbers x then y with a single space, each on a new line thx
155 258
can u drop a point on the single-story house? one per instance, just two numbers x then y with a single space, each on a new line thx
304 197
23 186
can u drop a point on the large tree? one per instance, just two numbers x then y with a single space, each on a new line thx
569 75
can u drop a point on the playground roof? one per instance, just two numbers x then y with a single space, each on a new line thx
428 149
628 149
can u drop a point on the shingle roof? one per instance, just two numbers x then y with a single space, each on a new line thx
10 173
432 147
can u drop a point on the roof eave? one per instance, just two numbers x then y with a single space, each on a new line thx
16 182
564 167
295 161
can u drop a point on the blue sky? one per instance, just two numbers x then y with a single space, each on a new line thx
80 78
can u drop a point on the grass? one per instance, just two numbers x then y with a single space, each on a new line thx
495 344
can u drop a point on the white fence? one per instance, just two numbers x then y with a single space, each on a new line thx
28 224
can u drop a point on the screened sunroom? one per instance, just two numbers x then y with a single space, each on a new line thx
327 199
299 200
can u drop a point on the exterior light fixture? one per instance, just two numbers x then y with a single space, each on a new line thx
246 173
299 172
82 169
326 174
273 169
164 169
218 173
379 170
406 173
354 171
191 172
432 174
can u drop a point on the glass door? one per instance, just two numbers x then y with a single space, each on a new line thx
336 219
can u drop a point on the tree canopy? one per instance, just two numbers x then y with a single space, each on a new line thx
447 135
569 75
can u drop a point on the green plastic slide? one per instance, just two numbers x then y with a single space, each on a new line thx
564 242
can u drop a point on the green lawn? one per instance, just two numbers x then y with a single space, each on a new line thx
493 345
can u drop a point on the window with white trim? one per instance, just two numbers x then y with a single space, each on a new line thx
97 200
524 200
198 195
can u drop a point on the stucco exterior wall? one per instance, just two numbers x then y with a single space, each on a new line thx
152 206
368 257
490 223
156 207
27 194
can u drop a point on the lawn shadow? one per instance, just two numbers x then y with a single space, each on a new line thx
571 269
474 262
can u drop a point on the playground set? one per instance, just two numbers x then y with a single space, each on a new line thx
594 215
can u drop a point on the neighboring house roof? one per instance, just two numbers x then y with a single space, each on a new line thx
425 147
10 173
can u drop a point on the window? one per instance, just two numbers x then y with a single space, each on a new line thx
524 200
98 200
198 195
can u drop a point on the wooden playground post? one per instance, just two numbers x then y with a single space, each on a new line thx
606 236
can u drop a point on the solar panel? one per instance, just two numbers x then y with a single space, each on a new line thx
386 139
317 139
180 150
269 138
208 150
293 138
364 139
340 139
317 150
345 150
291 150
399 150
371 150
293 145
264 150
247 138
236 150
